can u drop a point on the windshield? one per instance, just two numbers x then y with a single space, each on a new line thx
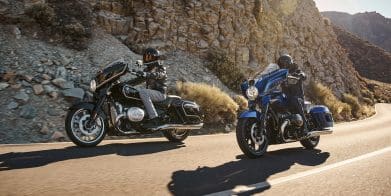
268 69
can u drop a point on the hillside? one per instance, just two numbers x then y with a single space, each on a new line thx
50 49
369 60
369 26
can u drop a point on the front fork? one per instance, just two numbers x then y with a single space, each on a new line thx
97 108
264 111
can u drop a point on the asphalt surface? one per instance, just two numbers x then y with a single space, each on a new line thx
205 165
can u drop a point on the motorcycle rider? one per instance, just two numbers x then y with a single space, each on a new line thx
294 92
156 84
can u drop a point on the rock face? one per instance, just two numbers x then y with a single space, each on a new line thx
369 60
369 26
253 32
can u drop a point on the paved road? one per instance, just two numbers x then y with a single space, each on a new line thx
205 165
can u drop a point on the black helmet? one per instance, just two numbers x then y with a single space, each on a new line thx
151 56
286 62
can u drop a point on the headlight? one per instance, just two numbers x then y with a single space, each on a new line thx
93 85
252 93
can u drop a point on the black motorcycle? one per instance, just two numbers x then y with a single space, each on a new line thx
116 109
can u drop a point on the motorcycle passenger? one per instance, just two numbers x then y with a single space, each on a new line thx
294 92
156 85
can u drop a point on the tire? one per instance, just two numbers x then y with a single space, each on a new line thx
75 126
310 143
244 129
176 135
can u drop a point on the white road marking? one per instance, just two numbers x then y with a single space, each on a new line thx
243 188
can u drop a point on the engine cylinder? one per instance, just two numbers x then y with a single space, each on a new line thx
135 114
296 120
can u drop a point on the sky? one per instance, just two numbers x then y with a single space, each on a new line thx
354 6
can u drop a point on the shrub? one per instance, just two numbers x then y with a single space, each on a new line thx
69 22
218 107
359 110
354 103
323 95
75 36
368 97
367 110
242 103
225 69
42 13
75 22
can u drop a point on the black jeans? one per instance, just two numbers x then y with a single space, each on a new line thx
296 106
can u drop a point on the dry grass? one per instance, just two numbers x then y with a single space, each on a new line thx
242 103
368 110
323 95
218 107
225 69
354 103
359 110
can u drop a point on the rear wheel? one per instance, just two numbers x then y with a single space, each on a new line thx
310 143
252 142
175 135
80 131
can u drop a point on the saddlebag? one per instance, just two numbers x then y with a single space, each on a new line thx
322 117
188 110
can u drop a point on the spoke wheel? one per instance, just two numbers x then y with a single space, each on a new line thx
83 132
251 141
311 142
176 135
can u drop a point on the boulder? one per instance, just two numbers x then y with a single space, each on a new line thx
12 105
38 89
62 83
57 136
3 85
76 93
44 130
28 112
49 89
22 96
61 72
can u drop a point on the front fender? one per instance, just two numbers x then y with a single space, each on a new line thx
89 106
84 105
250 114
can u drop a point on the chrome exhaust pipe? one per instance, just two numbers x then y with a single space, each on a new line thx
179 127
319 133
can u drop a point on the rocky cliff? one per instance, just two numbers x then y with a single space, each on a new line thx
369 26
253 32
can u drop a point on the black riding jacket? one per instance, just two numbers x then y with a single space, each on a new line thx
295 90
155 78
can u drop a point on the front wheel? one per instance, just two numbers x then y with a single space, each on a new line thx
175 135
80 131
251 141
310 143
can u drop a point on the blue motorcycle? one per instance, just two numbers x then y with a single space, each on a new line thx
268 120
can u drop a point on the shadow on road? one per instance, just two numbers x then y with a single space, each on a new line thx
242 172
22 160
